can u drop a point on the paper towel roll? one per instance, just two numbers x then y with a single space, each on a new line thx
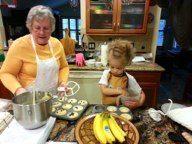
104 49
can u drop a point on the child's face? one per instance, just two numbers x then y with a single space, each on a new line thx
116 67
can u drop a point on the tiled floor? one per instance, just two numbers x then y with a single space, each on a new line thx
172 87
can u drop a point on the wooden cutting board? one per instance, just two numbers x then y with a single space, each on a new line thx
68 43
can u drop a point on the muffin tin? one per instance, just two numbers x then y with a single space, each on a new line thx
68 108
119 110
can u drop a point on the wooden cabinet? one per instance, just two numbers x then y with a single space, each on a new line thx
116 16
4 92
150 83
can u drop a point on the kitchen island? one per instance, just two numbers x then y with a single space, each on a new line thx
150 132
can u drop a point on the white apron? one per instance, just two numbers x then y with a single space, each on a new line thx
47 73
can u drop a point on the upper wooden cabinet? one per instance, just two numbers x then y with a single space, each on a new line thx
116 16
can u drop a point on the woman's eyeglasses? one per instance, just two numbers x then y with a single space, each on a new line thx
43 29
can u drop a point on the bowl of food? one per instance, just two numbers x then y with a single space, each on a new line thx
32 110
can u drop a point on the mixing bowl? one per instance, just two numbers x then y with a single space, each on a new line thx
32 114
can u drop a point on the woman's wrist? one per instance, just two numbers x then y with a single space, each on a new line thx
20 90
63 83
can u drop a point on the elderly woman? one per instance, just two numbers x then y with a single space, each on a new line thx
37 59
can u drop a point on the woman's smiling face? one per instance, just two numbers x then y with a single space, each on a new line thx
41 30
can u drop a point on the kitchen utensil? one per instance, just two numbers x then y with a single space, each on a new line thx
84 130
123 99
32 115
72 88
68 43
68 108
118 110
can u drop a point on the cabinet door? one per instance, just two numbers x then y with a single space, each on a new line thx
100 17
150 83
116 16
132 16
151 91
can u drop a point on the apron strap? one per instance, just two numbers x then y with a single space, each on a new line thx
34 47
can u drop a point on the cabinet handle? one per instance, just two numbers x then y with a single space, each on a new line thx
113 25
118 26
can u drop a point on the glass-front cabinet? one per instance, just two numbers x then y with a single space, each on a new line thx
116 16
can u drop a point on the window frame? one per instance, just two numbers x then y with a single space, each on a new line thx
163 31
77 30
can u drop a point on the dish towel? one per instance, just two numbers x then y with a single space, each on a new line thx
182 116
16 134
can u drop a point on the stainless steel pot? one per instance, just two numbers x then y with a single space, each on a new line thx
32 114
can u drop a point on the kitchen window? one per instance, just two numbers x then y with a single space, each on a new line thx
74 26
161 32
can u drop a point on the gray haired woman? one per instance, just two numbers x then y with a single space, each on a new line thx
36 59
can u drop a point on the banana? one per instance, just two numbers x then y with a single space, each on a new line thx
116 129
97 128
106 129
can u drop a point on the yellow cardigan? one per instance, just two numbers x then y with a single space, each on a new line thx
19 68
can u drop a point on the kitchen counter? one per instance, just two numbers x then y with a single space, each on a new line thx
150 132
141 66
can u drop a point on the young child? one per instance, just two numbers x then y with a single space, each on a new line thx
115 81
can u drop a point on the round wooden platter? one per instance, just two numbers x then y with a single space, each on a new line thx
84 131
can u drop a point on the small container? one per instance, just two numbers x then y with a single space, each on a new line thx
90 63
98 109
98 64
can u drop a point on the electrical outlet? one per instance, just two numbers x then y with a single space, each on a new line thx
91 45
141 47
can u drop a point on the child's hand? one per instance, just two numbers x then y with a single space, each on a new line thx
132 104
124 92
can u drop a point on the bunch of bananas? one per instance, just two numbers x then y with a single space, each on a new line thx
106 129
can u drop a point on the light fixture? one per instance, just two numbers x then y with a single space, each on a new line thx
74 3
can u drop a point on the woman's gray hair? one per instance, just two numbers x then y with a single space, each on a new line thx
40 12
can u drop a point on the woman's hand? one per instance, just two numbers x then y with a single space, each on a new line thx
20 90
62 85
